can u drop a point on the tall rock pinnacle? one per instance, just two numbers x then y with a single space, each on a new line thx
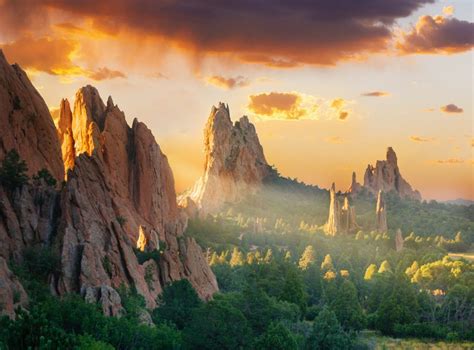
386 176
234 165
333 224
381 214
26 124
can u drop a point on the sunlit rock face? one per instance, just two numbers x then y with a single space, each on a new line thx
234 165
119 186
381 214
386 176
341 219
25 122
399 241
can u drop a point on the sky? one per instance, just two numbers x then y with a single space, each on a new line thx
329 84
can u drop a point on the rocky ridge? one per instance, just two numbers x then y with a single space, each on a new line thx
234 166
119 188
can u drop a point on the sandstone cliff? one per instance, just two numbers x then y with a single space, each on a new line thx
234 165
386 176
119 190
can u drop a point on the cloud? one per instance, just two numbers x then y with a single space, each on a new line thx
375 94
297 106
279 105
343 115
227 83
158 75
420 139
451 108
106 73
336 140
437 35
271 33
448 10
52 56
450 161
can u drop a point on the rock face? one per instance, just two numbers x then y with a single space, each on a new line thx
235 164
333 224
119 190
399 241
340 219
386 176
12 294
26 124
381 214
355 186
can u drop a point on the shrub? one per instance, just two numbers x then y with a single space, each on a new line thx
13 171
46 176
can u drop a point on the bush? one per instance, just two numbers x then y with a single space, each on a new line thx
13 171
46 176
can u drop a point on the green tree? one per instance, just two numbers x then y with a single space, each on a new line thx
237 258
277 337
13 170
45 175
369 273
347 308
327 333
307 258
327 264
385 267
217 325
176 303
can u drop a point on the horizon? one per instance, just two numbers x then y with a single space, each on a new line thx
319 115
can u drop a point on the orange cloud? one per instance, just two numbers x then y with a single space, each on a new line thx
106 73
450 161
275 34
337 140
448 10
337 103
437 35
375 94
451 108
52 56
280 105
227 83
421 139
343 115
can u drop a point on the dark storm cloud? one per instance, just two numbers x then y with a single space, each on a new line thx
281 33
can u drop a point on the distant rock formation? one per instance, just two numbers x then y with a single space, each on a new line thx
399 241
340 219
386 176
119 190
355 186
381 214
235 164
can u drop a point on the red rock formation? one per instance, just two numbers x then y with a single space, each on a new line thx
348 217
381 214
26 123
119 184
235 164
386 176
355 186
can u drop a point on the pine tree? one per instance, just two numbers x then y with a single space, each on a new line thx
327 263
369 273
237 258
307 258
13 170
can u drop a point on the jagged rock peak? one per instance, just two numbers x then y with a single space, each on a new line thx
235 164
355 186
381 213
399 240
340 219
386 176
26 123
